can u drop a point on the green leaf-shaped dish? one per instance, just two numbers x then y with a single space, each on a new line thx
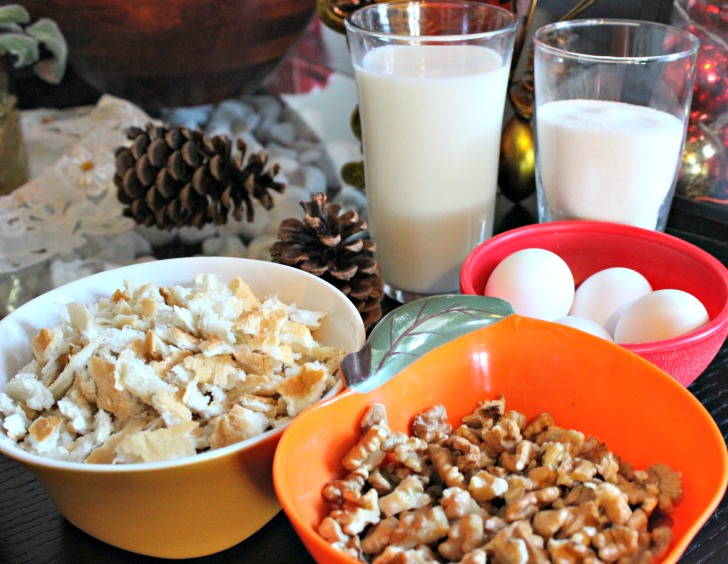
412 330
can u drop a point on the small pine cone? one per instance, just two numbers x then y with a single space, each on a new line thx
325 244
174 177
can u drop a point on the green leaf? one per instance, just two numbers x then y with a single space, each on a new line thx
13 14
412 330
23 47
46 31
10 26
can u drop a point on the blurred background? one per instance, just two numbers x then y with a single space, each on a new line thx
316 44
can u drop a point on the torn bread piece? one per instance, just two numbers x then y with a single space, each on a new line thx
156 445
239 424
304 388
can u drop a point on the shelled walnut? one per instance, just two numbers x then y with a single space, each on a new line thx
496 488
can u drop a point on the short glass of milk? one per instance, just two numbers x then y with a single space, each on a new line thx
431 80
612 104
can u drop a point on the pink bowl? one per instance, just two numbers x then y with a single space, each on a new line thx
666 262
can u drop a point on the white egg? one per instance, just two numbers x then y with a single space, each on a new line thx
585 324
611 323
662 314
603 295
536 282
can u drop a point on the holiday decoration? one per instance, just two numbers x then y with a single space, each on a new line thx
708 21
174 177
517 165
330 244
703 174
353 173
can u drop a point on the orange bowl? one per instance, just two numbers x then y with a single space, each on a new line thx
588 384
666 261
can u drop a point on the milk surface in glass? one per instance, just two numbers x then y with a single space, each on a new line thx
436 113
607 161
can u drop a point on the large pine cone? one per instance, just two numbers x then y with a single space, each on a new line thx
325 244
174 177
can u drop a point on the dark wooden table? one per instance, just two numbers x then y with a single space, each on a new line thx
32 529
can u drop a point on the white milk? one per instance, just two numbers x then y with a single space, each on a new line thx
431 122
607 161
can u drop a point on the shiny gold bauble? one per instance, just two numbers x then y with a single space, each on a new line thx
517 167
703 162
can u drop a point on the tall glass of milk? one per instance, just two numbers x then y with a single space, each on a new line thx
431 80
612 104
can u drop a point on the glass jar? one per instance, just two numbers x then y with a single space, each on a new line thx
13 155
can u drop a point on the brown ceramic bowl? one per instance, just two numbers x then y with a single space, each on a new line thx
176 52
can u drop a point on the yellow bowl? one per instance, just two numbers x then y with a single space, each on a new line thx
188 507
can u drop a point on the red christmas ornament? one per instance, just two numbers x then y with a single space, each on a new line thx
704 167
711 75
713 15
723 134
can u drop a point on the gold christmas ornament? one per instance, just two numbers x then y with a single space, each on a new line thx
517 165
701 167
353 173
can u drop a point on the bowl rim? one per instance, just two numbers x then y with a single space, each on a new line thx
12 450
717 323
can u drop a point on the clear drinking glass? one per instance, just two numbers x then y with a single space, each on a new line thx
612 103
431 80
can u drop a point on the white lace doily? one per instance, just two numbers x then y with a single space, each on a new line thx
71 193
66 222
